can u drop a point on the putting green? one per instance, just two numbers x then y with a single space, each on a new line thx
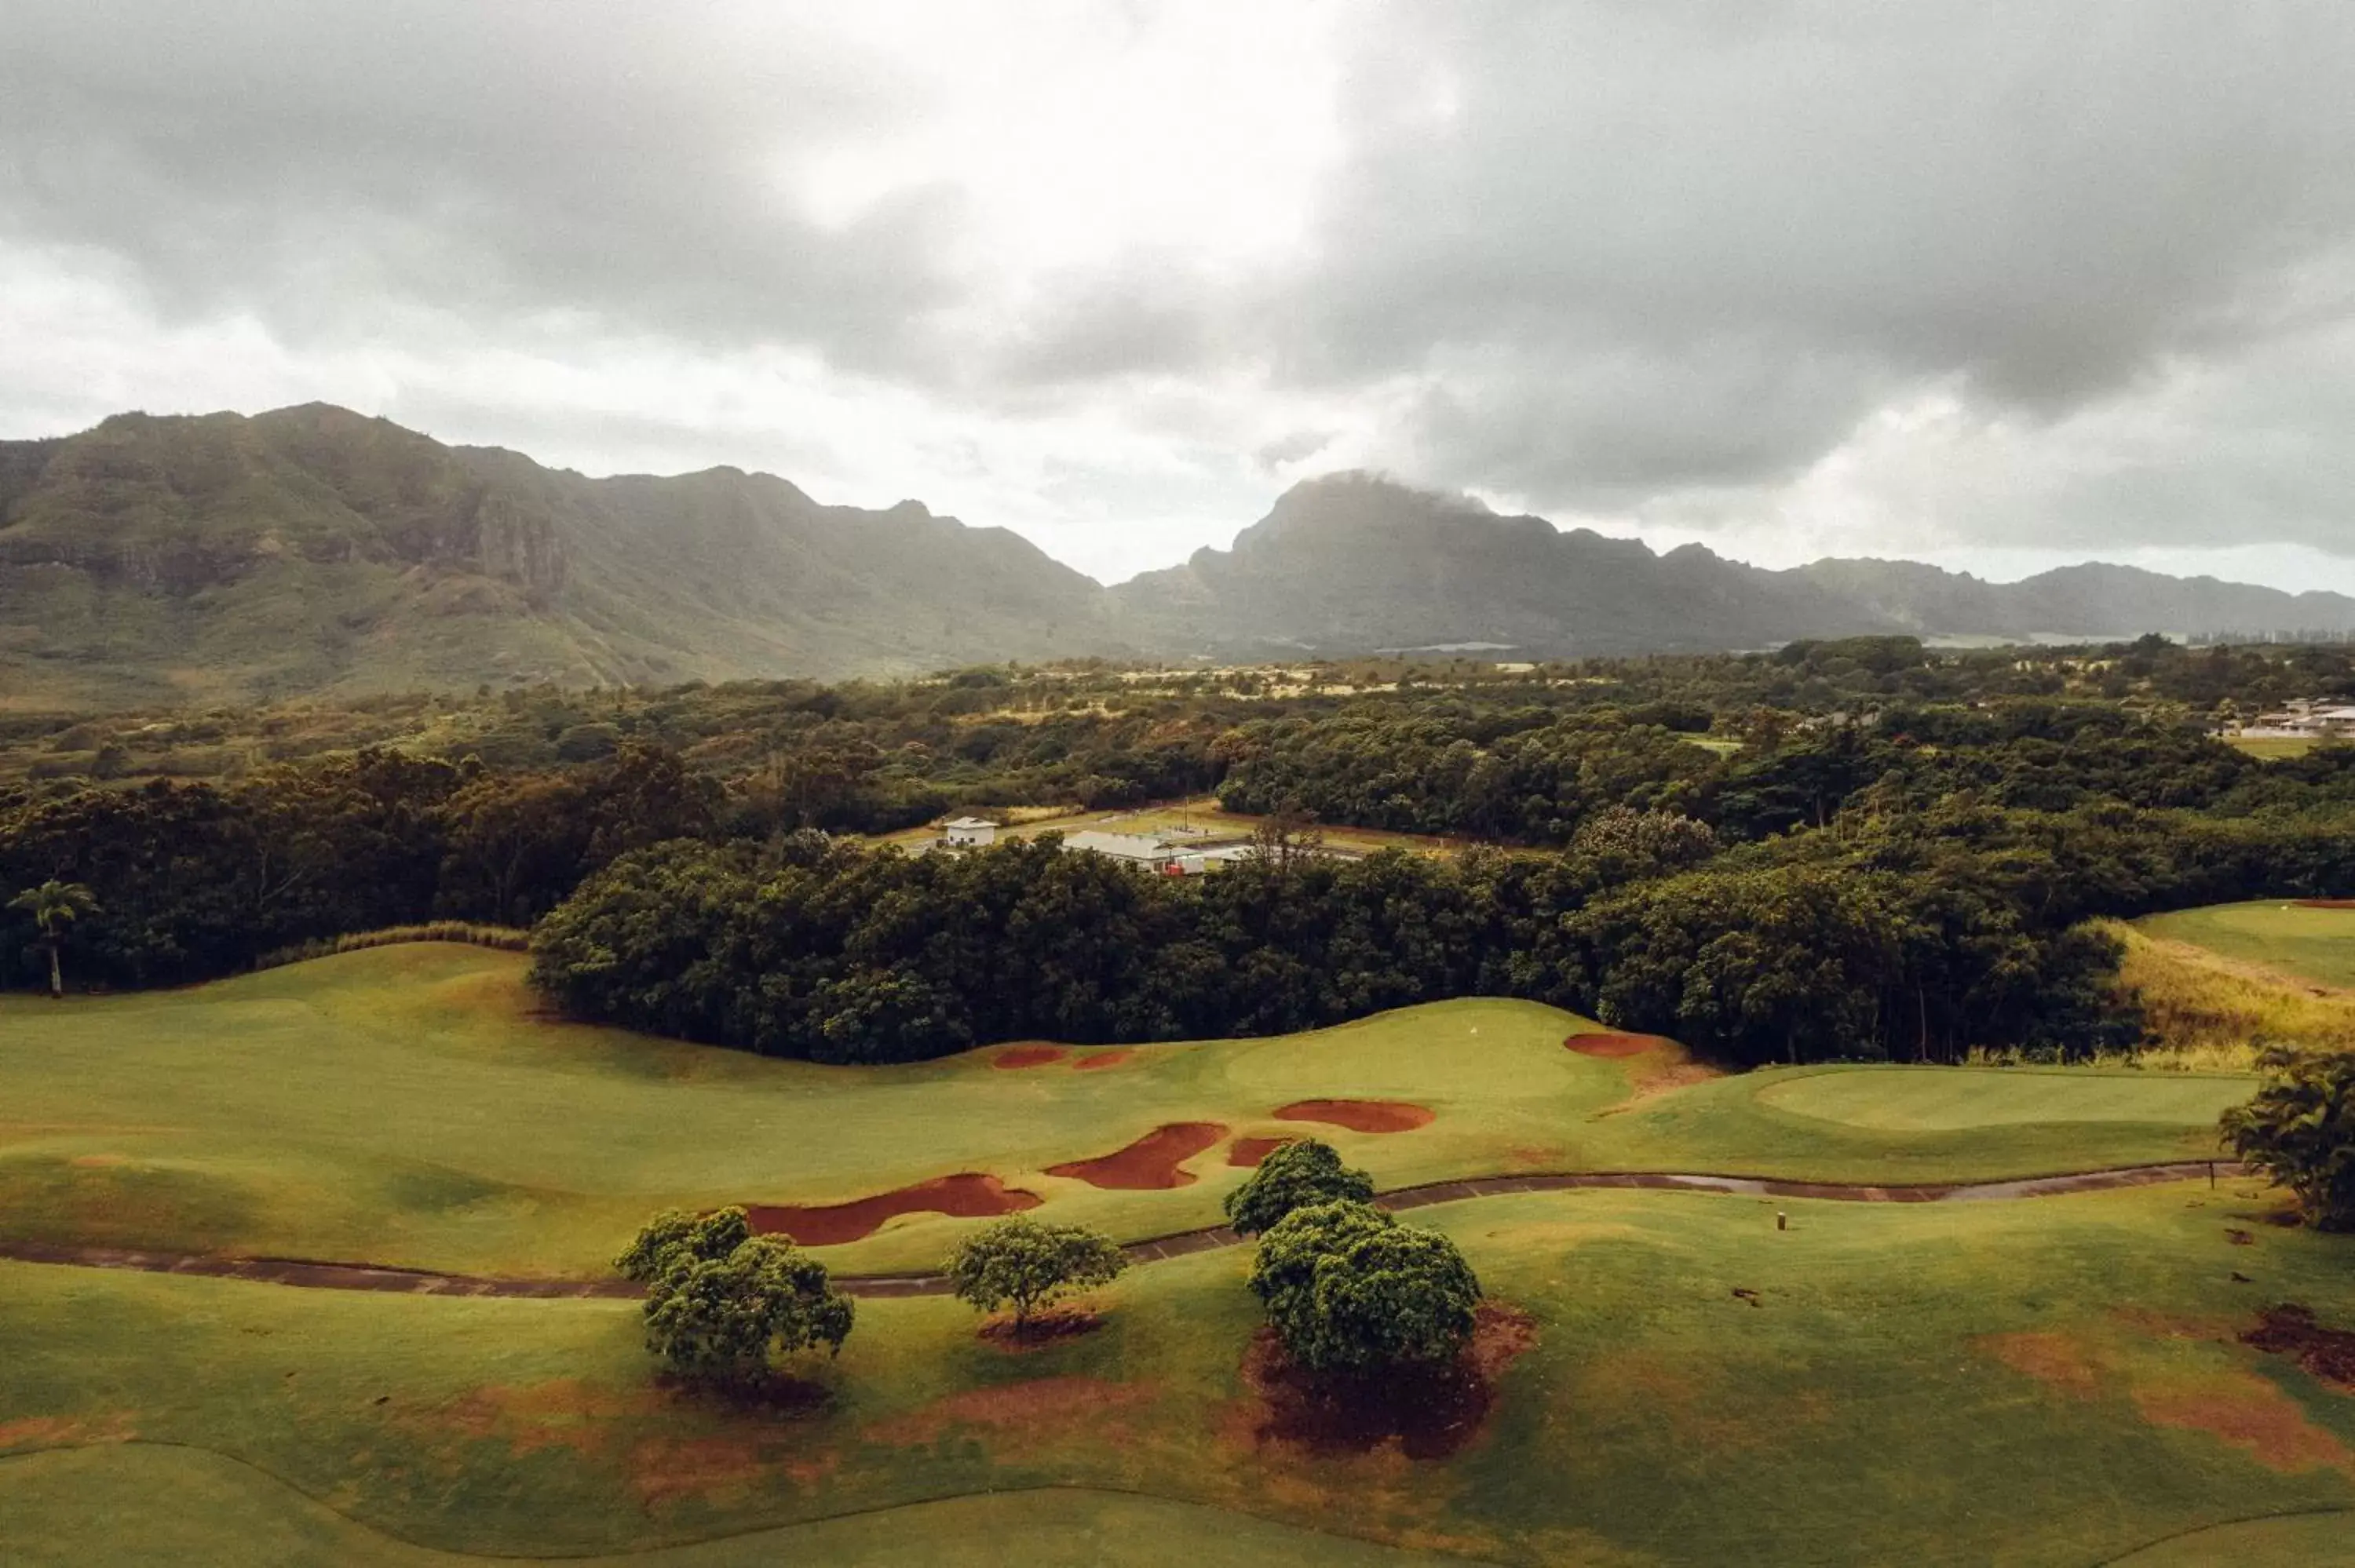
1935 1098
410 1105
2315 945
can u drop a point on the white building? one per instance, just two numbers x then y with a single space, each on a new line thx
969 832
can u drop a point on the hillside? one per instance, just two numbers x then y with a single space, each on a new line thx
160 560
312 550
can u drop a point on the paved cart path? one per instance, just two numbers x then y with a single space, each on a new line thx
324 1276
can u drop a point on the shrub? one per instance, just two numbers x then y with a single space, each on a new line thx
1293 1176
1019 1262
724 1306
2299 1129
1348 1289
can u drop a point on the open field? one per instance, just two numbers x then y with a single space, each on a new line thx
406 1105
1901 1383
2315 945
2269 748
1202 816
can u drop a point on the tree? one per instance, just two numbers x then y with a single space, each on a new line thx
53 905
2299 1129
1350 1290
1019 1262
1286 837
724 1306
1294 1176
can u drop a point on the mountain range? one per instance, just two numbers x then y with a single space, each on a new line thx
219 557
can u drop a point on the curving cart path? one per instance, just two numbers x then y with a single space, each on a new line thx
315 1274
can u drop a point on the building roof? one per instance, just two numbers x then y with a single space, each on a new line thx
971 822
1121 846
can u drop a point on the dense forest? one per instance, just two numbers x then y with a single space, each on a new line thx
1857 849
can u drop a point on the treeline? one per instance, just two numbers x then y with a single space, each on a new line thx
194 880
1909 937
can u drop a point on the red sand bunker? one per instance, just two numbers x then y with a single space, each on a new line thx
1614 1044
1028 1055
964 1196
1094 1059
1151 1161
1358 1115
2327 904
1245 1153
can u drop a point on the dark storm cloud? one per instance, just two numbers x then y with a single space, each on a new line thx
1600 256
1624 202
310 162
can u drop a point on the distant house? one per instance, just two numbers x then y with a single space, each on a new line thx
969 832
1171 857
2304 719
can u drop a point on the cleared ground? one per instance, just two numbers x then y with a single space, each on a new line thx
407 1106
2316 945
1202 817
2055 1381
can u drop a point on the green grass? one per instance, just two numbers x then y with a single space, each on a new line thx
2272 747
407 1105
2315 945
2055 1381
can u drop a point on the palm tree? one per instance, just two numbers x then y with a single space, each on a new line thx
52 904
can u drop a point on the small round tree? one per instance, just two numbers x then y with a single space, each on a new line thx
1293 1176
2299 1129
1020 1262
724 1306
1350 1290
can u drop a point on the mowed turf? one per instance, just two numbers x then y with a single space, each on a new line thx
408 1105
2311 944
2049 1381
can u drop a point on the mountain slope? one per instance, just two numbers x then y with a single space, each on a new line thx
225 558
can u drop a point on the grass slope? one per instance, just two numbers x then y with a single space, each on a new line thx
383 1076
2048 1383
2314 945
405 1105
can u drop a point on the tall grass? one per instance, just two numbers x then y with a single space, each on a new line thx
506 938
2208 1012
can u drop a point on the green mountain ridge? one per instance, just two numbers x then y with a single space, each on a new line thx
172 560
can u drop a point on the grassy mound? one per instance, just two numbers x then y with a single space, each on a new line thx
408 1104
2214 981
1878 1383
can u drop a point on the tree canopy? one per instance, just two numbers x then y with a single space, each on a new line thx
726 1307
1294 1176
1024 1264
2300 1130
1348 1289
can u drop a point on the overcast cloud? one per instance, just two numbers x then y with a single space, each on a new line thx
1998 286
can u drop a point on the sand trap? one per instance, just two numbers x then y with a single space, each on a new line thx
964 1196
1358 1115
1614 1044
1028 1056
1151 1161
1095 1059
2327 904
1245 1153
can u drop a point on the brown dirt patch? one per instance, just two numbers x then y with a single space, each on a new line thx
1245 1153
2056 1359
1030 1409
2326 904
968 1195
1605 1044
564 1412
1094 1059
1029 1057
2248 1413
2290 1329
1358 1115
1043 1329
1423 1414
65 1431
669 1471
100 1161
1151 1163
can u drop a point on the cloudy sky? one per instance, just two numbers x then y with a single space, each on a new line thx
1997 285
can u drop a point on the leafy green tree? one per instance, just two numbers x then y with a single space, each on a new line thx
1350 1290
1018 1261
53 905
2300 1130
724 1306
1294 1176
